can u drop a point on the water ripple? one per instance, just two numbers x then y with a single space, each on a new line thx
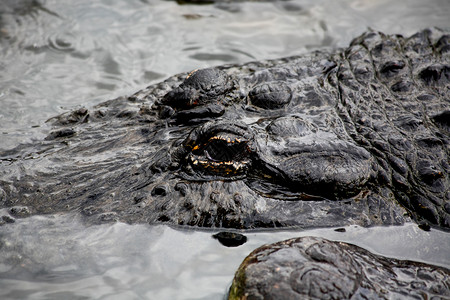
62 41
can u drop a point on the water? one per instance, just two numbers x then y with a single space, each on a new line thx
119 261
63 54
57 55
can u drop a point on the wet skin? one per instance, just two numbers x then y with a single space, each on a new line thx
315 268
354 136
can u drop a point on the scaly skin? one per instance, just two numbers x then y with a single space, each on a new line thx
357 136
315 268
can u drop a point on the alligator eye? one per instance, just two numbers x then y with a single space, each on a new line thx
221 155
221 151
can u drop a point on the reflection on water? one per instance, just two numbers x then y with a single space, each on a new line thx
56 55
57 257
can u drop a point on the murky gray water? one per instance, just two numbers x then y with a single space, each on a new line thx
62 54
57 257
56 55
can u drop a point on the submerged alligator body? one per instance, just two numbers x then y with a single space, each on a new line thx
356 136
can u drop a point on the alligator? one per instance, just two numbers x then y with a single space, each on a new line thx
355 136
333 138
324 269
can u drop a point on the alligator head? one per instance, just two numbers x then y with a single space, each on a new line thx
358 136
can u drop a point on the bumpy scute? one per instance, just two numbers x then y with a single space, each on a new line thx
270 95
315 268
200 87
355 136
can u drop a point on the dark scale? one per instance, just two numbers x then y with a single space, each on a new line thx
352 137
355 136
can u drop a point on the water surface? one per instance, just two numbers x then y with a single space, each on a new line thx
57 55
57 257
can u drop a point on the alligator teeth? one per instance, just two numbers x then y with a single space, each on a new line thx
225 168
226 138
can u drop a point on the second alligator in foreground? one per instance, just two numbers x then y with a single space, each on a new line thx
315 268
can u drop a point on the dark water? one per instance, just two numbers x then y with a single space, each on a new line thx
58 55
